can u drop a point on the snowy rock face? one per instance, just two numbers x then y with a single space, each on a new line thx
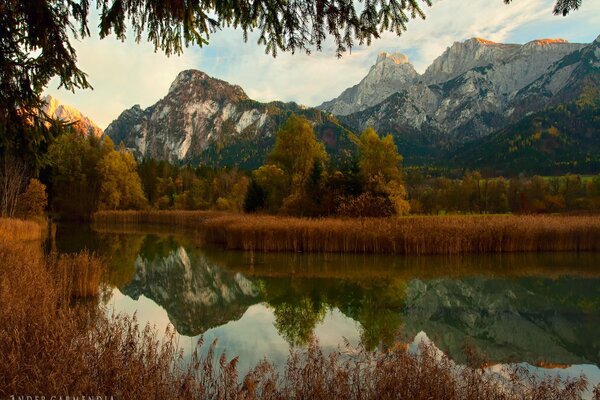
62 112
471 90
197 111
390 74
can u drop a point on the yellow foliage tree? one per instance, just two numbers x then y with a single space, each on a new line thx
379 166
296 149
275 182
120 186
33 201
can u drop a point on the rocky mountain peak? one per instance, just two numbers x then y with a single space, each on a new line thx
196 83
186 77
391 73
82 124
396 58
481 41
547 42
463 56
597 39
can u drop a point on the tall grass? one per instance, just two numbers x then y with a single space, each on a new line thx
19 230
52 348
409 236
79 274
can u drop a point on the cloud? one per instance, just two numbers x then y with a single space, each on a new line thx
124 74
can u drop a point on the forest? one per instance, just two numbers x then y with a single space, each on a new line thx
82 175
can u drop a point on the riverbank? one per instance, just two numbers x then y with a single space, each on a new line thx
442 235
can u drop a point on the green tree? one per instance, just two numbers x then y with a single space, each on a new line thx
87 174
275 183
73 178
296 320
255 197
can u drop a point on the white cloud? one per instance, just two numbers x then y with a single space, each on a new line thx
124 74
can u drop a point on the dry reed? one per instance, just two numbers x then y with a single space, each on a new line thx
79 274
409 236
19 230
50 348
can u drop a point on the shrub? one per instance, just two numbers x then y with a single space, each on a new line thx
366 205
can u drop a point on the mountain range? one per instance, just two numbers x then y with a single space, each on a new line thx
480 104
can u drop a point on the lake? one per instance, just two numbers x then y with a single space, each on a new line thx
540 310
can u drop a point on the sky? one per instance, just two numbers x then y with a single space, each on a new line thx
127 73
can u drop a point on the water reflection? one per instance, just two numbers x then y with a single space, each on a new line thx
540 309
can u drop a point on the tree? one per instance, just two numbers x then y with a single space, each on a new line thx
120 187
13 176
255 197
296 320
379 165
74 182
275 184
87 174
33 201
296 150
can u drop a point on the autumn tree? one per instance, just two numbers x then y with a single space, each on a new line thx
33 201
296 150
120 186
379 164
13 177
294 168
87 174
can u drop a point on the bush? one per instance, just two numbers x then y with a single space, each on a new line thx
366 205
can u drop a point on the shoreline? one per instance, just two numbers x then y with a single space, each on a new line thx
418 235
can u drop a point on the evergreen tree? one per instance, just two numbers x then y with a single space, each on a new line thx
255 197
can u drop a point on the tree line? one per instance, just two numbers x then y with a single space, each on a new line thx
81 175
475 194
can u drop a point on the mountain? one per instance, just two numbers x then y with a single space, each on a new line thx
561 127
390 74
203 119
81 123
573 76
460 113
196 294
558 139
531 319
473 89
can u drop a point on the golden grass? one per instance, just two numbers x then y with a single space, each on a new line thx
79 274
51 348
19 230
409 236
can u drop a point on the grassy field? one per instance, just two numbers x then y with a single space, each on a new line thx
50 346
409 235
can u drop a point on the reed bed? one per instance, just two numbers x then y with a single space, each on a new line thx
181 218
79 274
51 348
19 230
445 235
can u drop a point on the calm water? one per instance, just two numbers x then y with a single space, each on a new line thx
538 309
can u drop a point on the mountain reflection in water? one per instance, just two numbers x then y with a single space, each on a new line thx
542 309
